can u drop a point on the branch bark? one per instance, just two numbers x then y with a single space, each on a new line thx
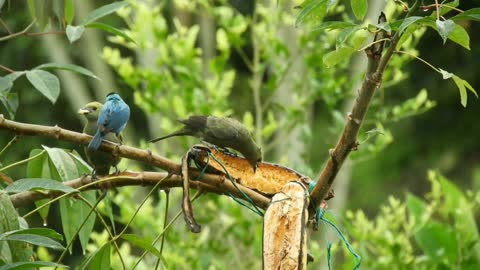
209 182
348 139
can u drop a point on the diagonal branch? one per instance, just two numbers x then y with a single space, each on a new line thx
348 140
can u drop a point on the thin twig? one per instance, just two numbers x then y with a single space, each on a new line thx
139 207
420 59
438 10
13 35
5 26
105 225
165 219
21 162
7 69
78 230
196 196
12 141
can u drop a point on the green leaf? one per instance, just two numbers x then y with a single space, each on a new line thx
59 10
69 11
45 82
346 33
103 11
445 74
10 102
110 29
30 265
5 84
461 89
332 25
445 28
462 86
407 22
313 10
69 67
359 8
38 231
39 168
438 241
101 260
33 239
416 209
73 212
28 184
74 32
19 251
471 14
142 243
460 36
332 58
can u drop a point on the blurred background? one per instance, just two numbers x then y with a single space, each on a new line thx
246 59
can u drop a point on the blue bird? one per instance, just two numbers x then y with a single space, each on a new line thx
113 118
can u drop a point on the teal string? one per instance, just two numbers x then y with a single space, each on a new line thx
255 209
357 258
329 255
204 169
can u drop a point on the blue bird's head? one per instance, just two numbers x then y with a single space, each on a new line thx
113 96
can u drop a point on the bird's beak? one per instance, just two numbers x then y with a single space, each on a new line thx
83 111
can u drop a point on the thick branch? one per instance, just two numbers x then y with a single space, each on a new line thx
209 182
348 139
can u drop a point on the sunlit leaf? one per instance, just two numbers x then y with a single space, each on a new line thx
438 241
445 28
45 82
462 86
103 11
28 184
69 11
69 67
359 8
313 10
74 32
445 74
332 58
110 29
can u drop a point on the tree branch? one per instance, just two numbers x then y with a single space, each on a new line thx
209 182
348 139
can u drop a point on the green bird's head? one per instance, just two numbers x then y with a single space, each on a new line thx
253 153
91 110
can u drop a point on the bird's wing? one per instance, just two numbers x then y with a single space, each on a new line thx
224 129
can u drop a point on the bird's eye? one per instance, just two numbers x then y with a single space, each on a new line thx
94 108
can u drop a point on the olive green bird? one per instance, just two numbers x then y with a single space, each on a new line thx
99 160
222 132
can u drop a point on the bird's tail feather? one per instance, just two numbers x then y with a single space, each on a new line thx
178 133
96 141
